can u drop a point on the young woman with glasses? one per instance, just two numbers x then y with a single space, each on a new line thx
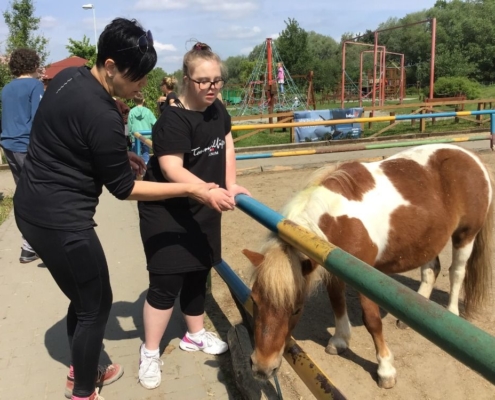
192 142
77 147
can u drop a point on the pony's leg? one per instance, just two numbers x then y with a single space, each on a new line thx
339 342
429 274
457 272
373 322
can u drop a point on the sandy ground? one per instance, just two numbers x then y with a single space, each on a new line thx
424 370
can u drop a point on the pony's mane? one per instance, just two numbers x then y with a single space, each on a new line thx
303 206
280 276
332 172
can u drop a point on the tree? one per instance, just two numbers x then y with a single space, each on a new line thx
326 62
292 46
233 66
82 49
152 91
22 26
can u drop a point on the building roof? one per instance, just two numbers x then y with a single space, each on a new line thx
58 66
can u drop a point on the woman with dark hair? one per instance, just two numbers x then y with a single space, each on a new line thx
77 146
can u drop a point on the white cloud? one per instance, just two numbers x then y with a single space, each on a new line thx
246 50
48 22
274 36
229 8
239 32
163 47
154 5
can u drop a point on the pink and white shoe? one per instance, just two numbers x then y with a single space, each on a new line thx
208 342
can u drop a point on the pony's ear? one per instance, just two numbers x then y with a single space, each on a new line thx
255 258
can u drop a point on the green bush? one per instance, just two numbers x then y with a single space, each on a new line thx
457 86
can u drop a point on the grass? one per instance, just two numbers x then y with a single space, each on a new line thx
6 205
263 138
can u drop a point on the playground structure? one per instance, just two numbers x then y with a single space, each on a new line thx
390 83
386 82
261 93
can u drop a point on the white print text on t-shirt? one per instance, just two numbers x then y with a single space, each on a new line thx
212 149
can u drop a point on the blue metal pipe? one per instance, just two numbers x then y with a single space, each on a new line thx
261 213
238 287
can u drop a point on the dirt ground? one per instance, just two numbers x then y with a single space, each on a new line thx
424 370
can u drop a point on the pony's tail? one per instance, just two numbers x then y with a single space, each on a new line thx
478 281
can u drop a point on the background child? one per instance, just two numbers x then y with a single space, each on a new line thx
280 77
141 118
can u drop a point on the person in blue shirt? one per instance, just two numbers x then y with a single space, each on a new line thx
141 118
20 100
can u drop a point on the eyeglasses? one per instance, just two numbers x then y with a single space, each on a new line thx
143 43
203 85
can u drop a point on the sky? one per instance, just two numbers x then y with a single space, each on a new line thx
230 27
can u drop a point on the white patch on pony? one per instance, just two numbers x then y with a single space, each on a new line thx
386 370
457 272
422 154
383 200
340 340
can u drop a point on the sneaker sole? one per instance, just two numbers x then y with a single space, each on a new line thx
186 348
115 378
26 261
149 387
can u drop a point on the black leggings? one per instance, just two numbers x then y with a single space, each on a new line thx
77 263
164 289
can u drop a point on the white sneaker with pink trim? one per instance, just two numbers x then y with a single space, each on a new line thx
208 343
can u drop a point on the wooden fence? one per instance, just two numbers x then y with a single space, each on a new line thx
432 106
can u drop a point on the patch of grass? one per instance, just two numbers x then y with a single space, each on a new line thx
6 205
440 125
263 138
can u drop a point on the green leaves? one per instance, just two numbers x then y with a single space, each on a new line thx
83 49
22 26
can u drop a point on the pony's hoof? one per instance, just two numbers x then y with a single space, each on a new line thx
387 383
401 325
335 350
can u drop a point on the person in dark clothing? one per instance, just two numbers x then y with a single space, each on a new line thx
20 100
78 146
192 142
168 87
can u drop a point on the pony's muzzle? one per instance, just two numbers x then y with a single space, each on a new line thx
262 372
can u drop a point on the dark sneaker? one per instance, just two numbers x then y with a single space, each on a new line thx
28 256
106 375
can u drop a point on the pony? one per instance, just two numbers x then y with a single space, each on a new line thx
395 215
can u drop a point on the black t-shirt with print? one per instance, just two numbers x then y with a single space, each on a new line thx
77 146
181 234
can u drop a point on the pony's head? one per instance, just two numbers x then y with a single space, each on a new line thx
282 279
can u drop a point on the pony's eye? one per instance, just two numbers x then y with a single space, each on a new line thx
296 312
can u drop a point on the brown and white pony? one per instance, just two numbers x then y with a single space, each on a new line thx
395 215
